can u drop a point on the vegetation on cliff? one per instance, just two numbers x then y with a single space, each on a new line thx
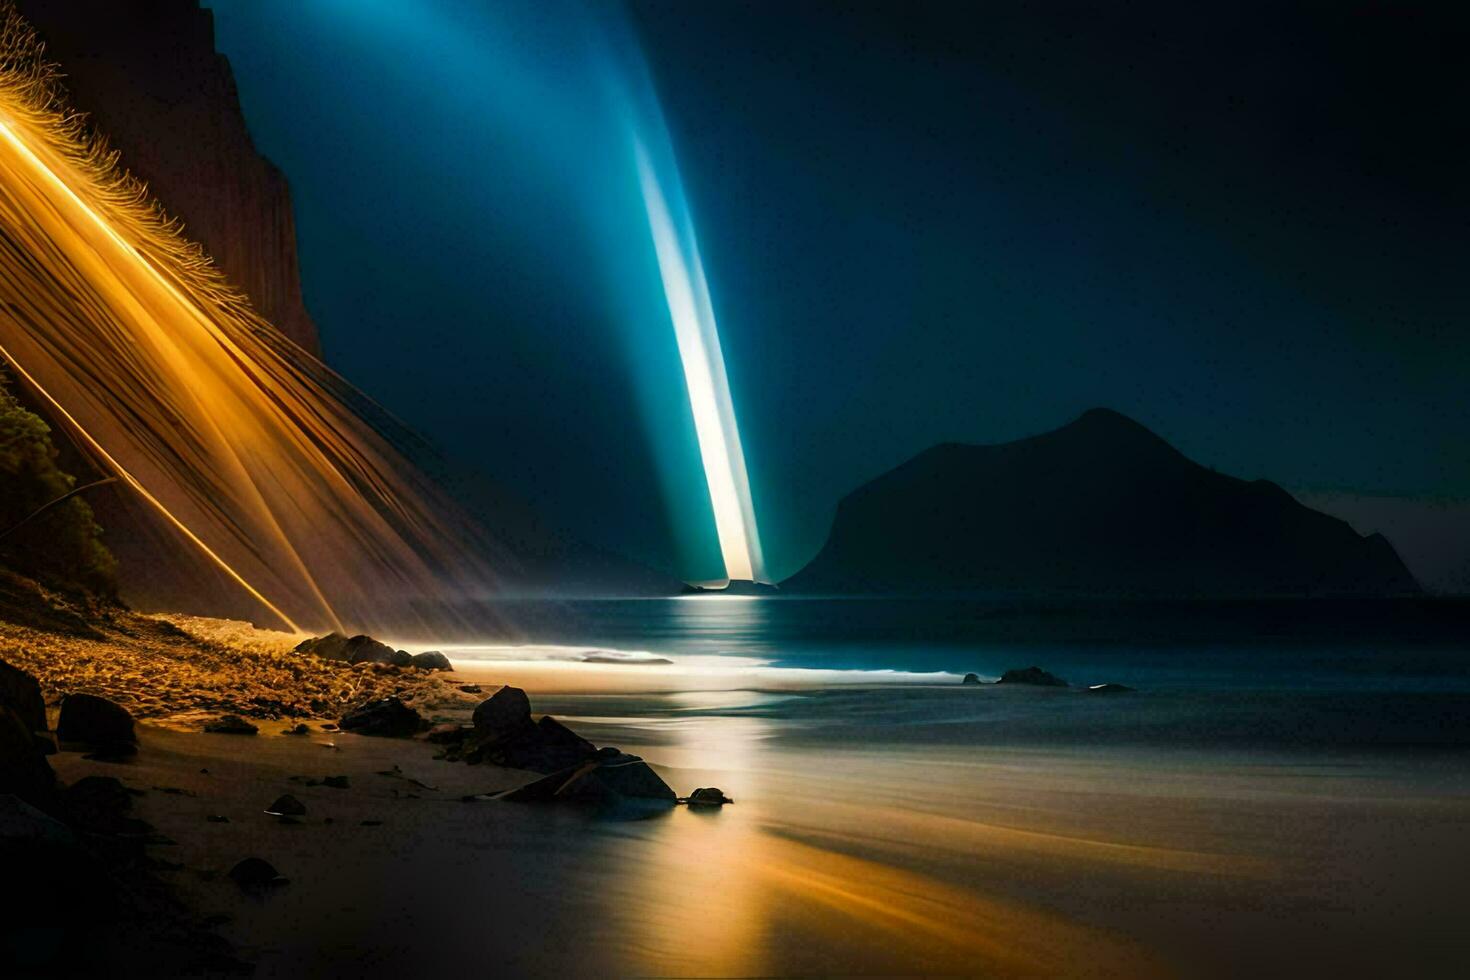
61 545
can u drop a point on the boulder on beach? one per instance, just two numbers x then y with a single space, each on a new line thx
357 649
504 712
21 693
1108 689
387 717
95 721
254 872
1031 675
99 805
330 647
971 679
287 805
24 770
231 725
708 796
432 660
544 746
620 779
20 822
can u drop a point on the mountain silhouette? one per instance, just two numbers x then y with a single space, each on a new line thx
1101 506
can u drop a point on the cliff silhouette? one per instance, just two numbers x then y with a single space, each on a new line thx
147 75
1101 506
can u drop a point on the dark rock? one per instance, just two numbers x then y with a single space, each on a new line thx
231 725
545 746
358 649
1108 689
336 782
1031 675
708 796
387 717
287 806
470 688
505 711
971 679
254 872
20 821
21 693
99 805
364 649
432 660
24 770
300 729
53 883
329 647
217 818
626 778
95 721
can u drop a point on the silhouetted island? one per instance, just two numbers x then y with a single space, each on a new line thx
1101 506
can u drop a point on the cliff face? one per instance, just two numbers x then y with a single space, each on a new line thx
1100 506
147 74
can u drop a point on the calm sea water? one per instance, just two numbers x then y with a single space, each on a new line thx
1392 673
1284 793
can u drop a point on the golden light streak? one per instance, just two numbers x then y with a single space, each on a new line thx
243 443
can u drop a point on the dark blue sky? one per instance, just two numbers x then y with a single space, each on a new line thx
1248 229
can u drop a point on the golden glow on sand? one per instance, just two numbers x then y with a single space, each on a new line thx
241 442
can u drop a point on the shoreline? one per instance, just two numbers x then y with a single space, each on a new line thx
941 828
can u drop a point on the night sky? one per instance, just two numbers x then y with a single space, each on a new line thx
1247 228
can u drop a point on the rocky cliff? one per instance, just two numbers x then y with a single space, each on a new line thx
147 74
1101 506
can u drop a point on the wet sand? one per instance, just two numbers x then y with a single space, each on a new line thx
844 853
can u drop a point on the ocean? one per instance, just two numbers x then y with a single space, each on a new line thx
1285 792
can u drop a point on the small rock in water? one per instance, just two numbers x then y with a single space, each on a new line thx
287 806
336 782
470 688
625 778
1032 675
217 818
1109 689
254 872
708 796
231 725
370 823
300 729
971 679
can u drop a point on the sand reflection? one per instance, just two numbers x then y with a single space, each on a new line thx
748 891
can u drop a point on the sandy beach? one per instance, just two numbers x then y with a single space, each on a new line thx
871 855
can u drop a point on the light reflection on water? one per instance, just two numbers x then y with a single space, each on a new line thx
1251 785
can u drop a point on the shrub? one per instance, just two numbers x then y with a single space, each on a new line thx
63 546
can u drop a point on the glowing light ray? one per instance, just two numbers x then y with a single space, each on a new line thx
248 447
687 295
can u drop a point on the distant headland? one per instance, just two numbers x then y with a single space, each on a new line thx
1100 506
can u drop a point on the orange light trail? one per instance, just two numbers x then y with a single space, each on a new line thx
240 441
